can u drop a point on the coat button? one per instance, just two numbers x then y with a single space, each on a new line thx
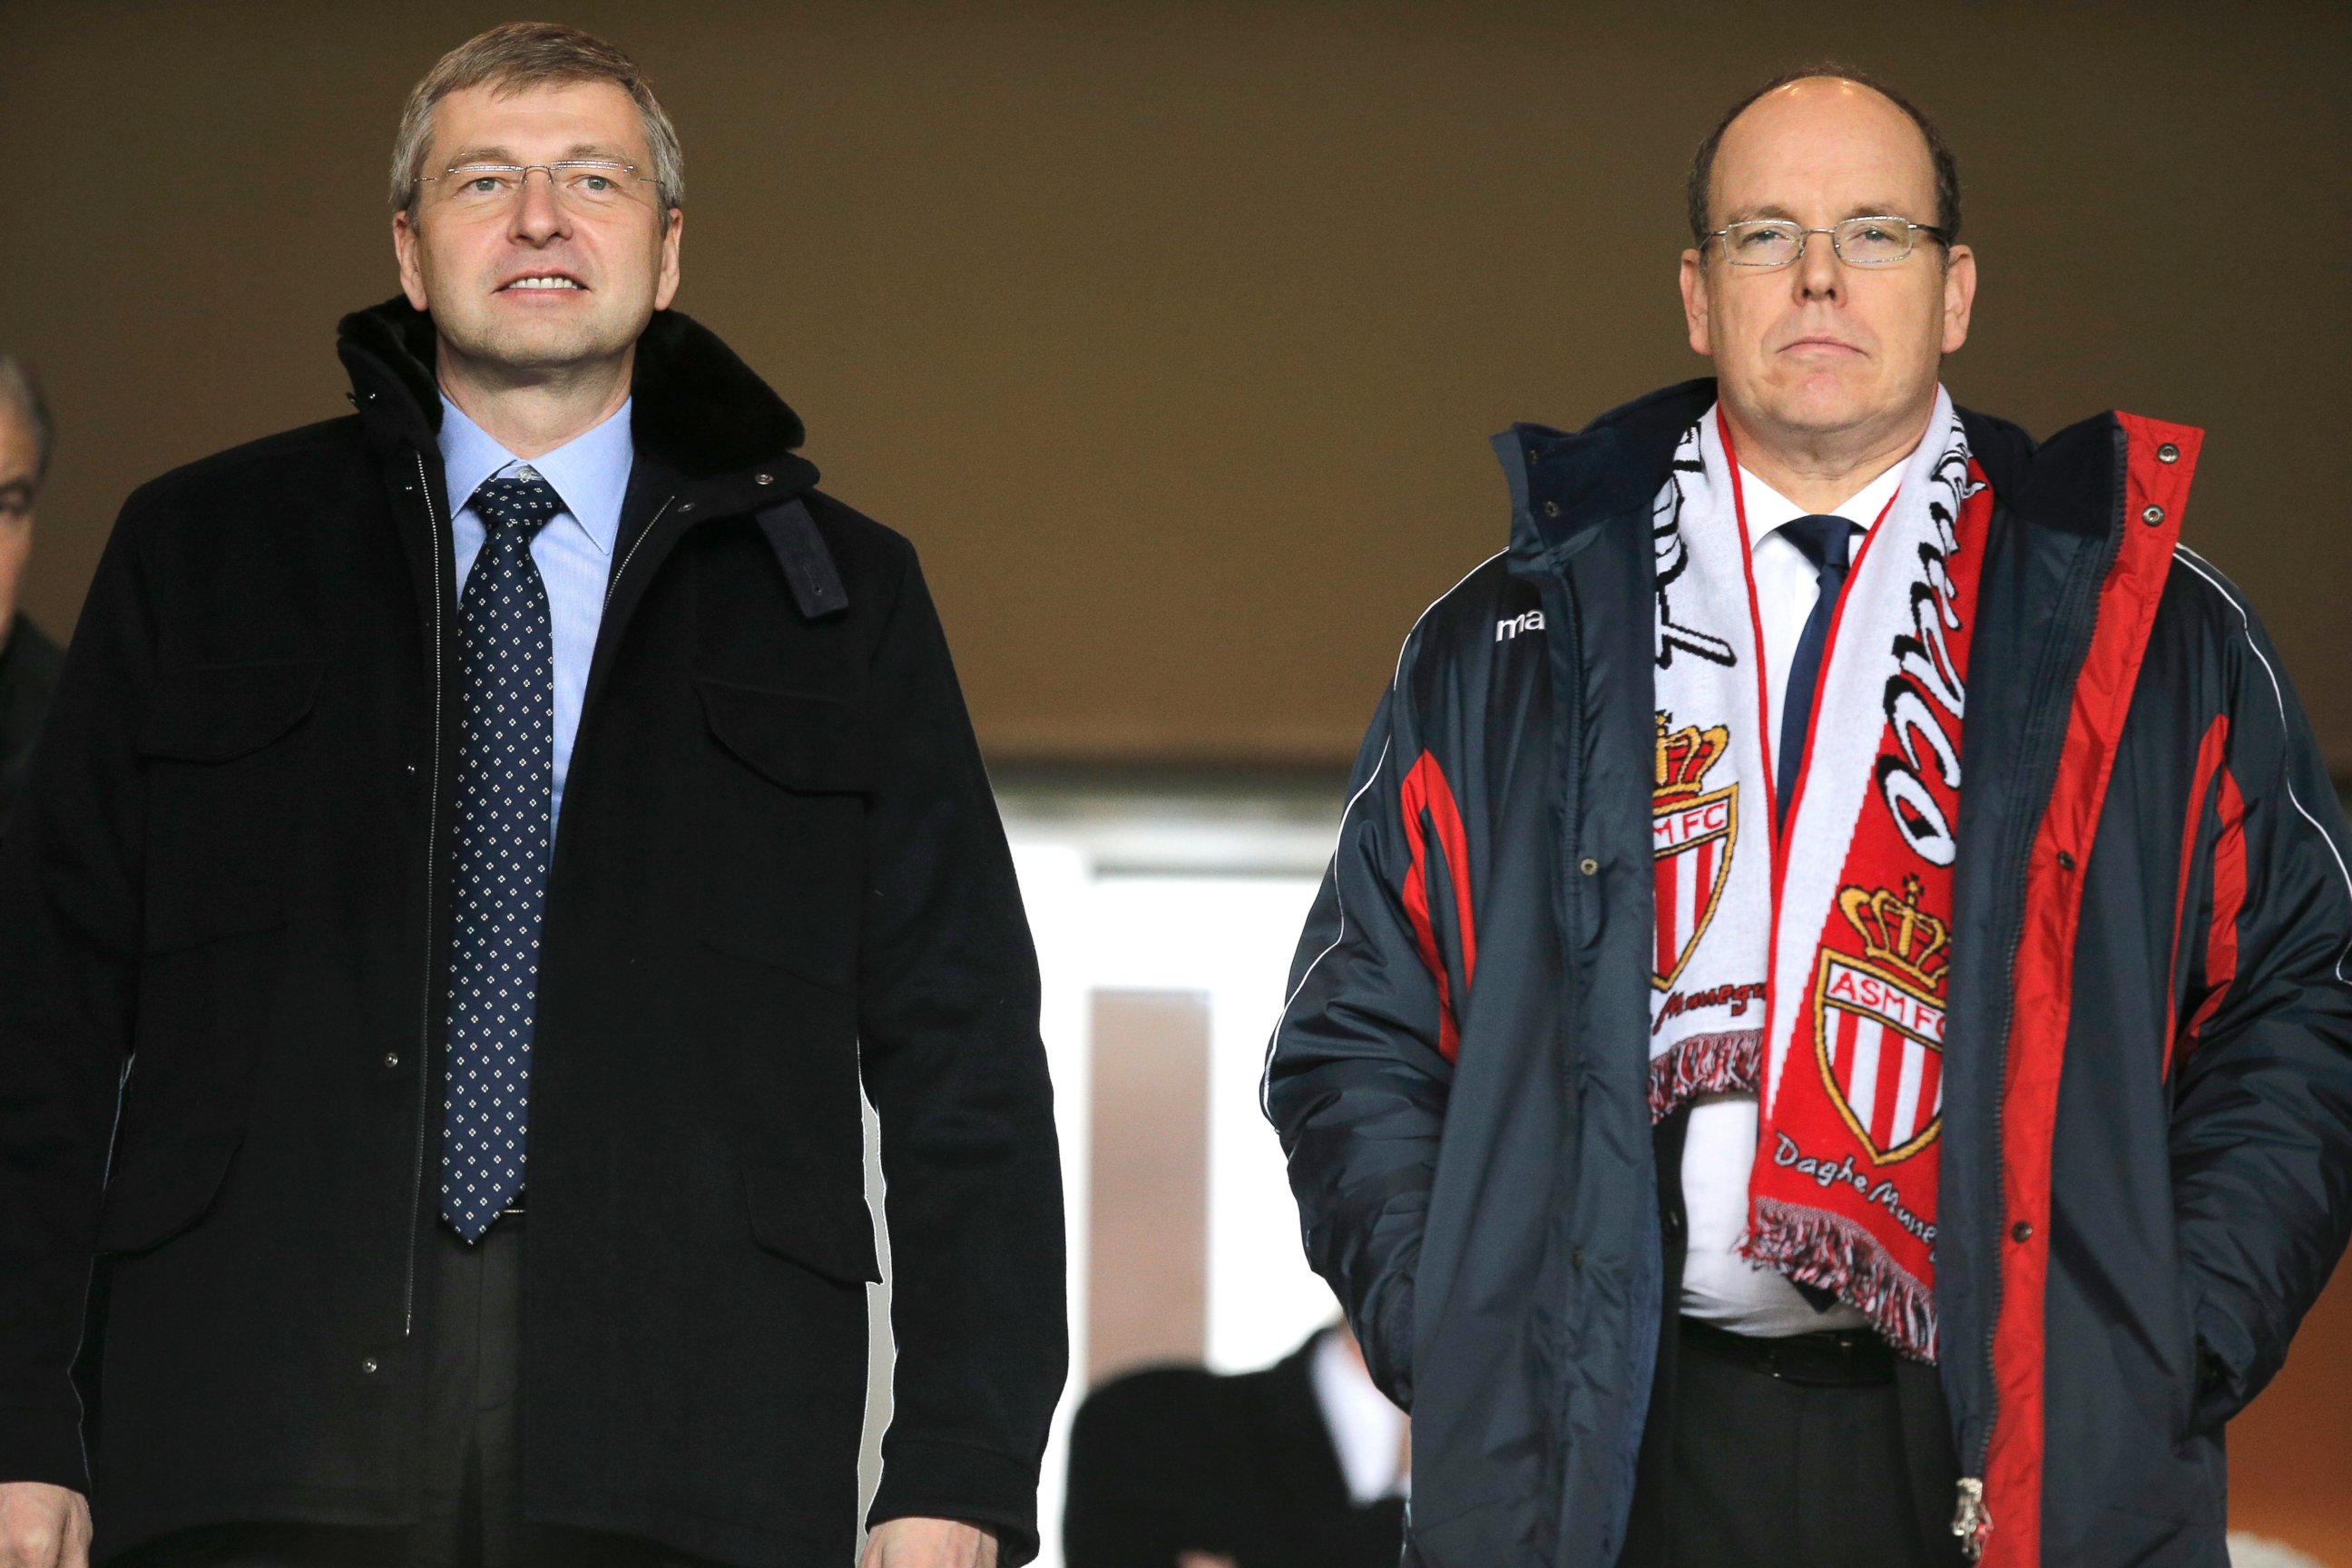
391 1058
2151 515
1551 509
687 507
369 1366
2021 1231
2167 453
1589 866
2066 861
763 478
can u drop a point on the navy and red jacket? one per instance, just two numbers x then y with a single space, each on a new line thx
2146 1163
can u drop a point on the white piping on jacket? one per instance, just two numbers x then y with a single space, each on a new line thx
2206 570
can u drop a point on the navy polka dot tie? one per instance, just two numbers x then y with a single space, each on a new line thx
504 823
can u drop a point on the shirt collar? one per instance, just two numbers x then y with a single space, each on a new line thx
1768 508
590 473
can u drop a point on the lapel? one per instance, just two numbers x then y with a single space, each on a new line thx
1581 533
400 426
662 508
2056 525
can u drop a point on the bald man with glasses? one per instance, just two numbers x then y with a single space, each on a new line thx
1828 1035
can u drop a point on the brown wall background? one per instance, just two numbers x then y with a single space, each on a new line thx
1172 332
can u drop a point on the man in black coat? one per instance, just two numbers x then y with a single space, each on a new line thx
531 775
1297 1464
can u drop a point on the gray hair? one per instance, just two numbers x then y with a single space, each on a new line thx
20 387
516 58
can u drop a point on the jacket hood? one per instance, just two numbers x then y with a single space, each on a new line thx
698 409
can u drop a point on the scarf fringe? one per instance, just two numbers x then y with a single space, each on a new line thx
1830 1252
1731 1061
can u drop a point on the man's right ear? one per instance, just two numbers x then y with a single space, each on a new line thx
1695 302
404 242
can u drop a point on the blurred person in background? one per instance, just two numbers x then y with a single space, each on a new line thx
1738 1137
1304 1464
532 774
29 661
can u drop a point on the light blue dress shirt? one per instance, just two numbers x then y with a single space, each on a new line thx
574 553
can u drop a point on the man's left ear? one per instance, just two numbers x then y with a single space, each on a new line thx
666 284
1959 295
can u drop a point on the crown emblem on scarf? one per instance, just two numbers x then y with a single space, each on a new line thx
1684 755
1898 934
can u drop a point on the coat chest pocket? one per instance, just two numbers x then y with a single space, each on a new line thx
223 785
781 829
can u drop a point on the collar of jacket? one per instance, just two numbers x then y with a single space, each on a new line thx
701 412
1567 491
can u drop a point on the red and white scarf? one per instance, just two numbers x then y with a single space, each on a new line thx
1808 967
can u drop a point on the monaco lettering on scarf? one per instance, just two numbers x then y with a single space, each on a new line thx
1811 970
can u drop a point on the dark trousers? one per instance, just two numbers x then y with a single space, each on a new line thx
1807 1459
470 1407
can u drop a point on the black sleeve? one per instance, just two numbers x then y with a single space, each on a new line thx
71 931
948 998
1355 1081
2262 1127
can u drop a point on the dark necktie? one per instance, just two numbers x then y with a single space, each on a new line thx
1825 542
503 828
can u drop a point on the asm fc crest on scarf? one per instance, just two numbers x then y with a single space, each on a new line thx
1692 832
1878 1022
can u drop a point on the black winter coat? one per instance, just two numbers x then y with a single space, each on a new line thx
779 873
2146 1163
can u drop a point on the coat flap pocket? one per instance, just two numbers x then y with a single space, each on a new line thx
813 745
815 1221
155 1193
213 712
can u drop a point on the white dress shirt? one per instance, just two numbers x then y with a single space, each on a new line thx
1367 1431
1720 1287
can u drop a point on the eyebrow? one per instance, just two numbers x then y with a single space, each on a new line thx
1774 211
510 156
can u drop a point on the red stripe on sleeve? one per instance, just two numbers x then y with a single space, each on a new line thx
2209 752
2229 902
1425 792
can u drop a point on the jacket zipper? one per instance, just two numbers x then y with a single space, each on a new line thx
639 544
432 852
1571 744
1972 1520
